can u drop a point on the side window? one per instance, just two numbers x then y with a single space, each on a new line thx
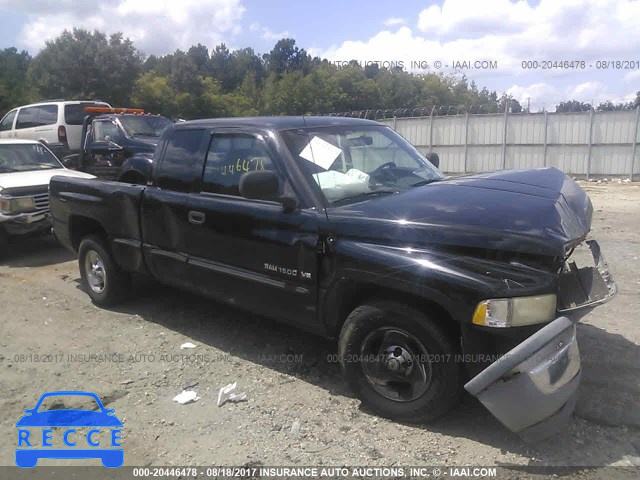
47 114
27 118
230 156
7 121
41 115
177 170
106 131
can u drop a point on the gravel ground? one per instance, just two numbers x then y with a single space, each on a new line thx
299 410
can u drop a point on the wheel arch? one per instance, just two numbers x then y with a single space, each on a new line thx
348 294
80 227
140 163
134 176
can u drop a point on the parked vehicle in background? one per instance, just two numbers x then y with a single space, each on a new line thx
57 124
118 144
26 166
341 227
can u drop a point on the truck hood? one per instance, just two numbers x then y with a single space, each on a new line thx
539 212
36 178
145 142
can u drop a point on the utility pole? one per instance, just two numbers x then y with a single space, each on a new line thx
528 104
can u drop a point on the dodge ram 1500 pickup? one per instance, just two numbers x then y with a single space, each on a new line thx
341 227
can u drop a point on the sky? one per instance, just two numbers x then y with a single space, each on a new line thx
512 47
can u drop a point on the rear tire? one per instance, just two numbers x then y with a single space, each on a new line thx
105 282
400 362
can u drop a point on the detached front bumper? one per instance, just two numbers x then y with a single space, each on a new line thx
532 388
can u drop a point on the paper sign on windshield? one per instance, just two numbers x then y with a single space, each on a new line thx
320 152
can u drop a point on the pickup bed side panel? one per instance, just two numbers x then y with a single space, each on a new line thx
455 283
79 205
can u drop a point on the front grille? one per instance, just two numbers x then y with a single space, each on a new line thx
42 201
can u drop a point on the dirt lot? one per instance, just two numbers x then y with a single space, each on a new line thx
138 369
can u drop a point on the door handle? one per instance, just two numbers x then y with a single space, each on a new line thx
197 218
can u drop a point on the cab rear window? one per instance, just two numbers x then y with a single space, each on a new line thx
74 113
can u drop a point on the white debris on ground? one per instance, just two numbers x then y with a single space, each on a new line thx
187 345
187 396
227 394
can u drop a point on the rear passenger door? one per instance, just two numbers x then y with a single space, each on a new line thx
250 252
165 206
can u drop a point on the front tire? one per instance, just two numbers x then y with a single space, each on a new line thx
400 362
105 282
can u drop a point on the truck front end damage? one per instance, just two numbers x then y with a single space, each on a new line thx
532 388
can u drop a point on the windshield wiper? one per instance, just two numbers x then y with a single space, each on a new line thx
426 182
358 196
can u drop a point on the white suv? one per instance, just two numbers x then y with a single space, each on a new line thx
57 124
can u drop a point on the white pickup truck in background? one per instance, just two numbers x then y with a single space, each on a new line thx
26 166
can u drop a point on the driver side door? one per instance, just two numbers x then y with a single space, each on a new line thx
251 252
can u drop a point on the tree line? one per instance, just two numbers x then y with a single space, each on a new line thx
199 82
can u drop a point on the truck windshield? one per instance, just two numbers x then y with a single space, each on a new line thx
349 164
26 157
144 126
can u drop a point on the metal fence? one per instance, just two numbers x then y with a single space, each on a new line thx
580 143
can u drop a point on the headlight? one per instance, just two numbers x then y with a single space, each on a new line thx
12 206
515 312
5 206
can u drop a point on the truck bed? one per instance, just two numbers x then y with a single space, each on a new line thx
108 208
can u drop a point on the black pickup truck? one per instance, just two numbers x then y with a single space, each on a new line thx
118 144
341 227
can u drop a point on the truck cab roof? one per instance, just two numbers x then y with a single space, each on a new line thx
282 122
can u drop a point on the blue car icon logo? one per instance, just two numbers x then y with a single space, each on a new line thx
69 433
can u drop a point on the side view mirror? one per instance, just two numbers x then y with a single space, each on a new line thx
104 146
434 159
265 185
70 161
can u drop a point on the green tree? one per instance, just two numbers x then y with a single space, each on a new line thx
15 89
356 90
286 57
609 106
573 106
185 76
83 64
153 93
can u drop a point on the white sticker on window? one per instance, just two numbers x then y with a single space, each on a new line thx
320 152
